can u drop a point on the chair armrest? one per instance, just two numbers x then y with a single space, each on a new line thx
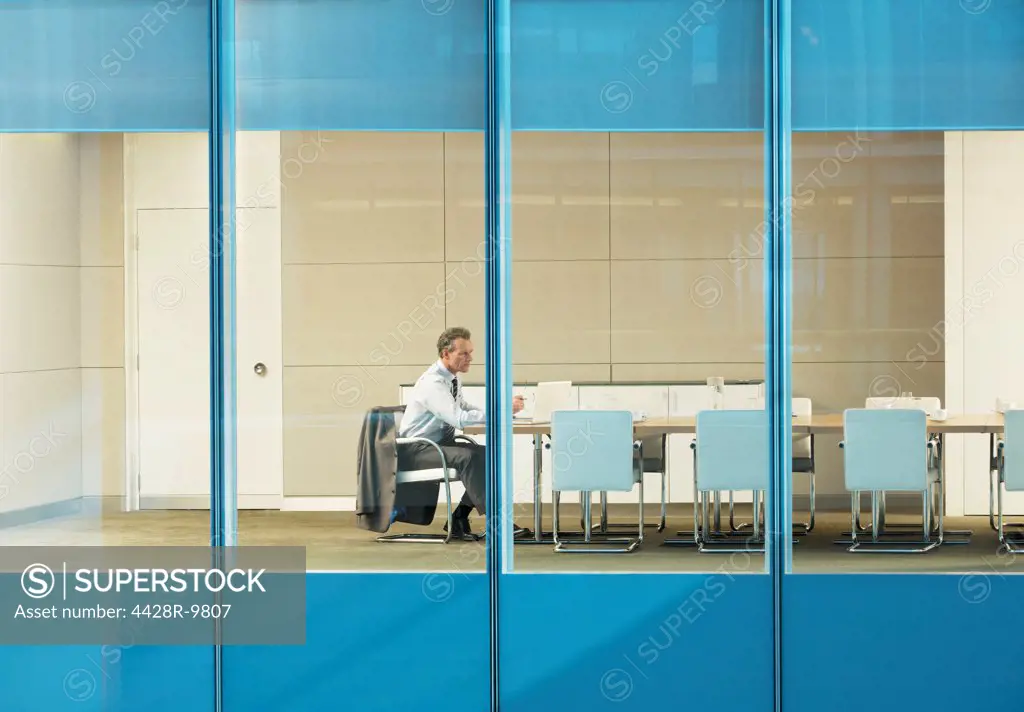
465 438
408 441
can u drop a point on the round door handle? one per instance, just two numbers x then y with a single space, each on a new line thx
260 369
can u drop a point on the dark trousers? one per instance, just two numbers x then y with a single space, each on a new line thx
469 460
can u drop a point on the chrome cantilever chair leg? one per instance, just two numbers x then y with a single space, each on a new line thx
576 546
995 485
427 538
604 526
724 544
1010 542
878 546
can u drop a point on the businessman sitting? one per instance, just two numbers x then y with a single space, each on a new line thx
435 410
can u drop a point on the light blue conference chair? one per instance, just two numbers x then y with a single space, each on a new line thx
730 455
1010 457
594 451
888 451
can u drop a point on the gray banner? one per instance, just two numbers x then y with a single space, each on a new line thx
152 595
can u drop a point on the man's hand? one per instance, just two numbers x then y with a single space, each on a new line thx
517 404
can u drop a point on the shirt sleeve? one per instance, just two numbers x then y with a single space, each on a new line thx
455 412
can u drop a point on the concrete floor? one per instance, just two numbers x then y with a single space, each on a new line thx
333 543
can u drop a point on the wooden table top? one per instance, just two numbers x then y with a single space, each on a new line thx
828 423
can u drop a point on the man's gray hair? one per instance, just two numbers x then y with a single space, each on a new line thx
448 337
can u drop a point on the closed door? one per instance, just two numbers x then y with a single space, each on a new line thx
174 363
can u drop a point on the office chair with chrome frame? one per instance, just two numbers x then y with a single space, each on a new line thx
803 464
655 464
887 450
730 454
1010 461
581 462
441 475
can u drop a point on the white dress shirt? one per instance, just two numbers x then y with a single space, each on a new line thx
431 406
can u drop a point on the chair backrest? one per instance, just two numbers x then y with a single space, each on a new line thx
592 451
1013 450
802 443
928 405
732 450
885 449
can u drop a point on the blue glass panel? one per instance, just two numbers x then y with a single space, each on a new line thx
114 65
924 64
375 643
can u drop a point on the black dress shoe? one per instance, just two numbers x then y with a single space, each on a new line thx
518 532
461 529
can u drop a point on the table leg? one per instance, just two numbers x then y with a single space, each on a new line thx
539 535
538 459
945 534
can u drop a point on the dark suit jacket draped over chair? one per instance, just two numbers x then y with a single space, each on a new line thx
376 493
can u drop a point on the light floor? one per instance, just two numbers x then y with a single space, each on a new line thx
333 542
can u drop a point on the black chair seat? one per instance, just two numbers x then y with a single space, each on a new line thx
803 464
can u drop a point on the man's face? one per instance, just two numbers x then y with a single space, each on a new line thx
460 357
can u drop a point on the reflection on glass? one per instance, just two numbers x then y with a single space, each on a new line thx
360 241
635 281
882 338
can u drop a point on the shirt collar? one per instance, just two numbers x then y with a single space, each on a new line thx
443 370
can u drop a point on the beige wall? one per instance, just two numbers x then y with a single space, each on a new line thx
102 315
636 257
984 292
40 348
61 318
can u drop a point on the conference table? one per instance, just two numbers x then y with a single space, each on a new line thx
990 424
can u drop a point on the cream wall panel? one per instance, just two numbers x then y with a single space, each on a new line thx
465 217
103 432
685 195
860 194
560 310
704 311
987 306
323 415
258 163
39 181
560 196
535 373
368 197
362 314
40 316
102 316
867 309
102 199
170 170
42 437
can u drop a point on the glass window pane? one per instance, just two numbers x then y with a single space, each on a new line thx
360 228
104 321
638 312
907 148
